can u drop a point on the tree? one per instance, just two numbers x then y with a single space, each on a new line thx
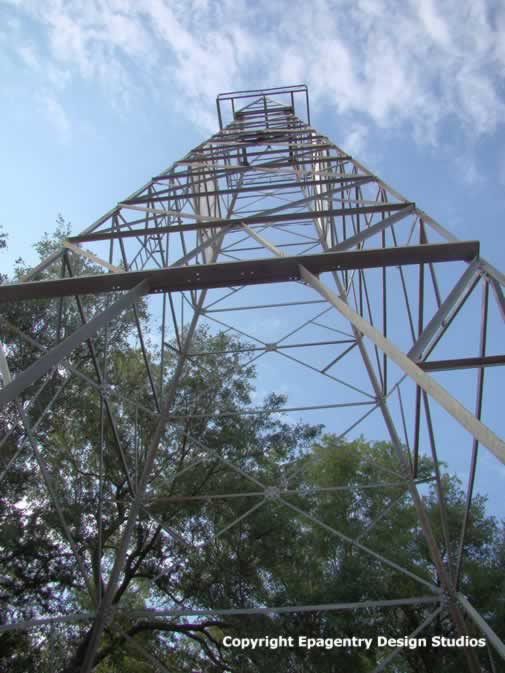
193 547
42 576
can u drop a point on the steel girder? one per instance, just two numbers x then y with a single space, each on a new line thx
267 199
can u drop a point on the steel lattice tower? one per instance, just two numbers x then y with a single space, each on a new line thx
269 218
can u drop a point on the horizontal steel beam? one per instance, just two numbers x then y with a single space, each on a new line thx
182 612
220 170
170 193
252 93
462 363
224 149
280 610
237 223
251 272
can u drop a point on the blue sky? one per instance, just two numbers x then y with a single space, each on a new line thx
100 96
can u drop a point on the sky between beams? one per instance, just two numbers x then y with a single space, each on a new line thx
415 90
100 96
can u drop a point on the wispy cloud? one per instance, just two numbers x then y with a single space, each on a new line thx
418 64
55 115
355 141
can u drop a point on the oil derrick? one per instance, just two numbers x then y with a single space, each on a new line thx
336 287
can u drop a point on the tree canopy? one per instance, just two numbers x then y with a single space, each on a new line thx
243 510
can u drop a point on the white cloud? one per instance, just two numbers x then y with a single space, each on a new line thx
419 63
56 116
28 55
355 142
434 23
480 104
466 166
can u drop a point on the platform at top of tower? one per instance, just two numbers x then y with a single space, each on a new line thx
233 105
